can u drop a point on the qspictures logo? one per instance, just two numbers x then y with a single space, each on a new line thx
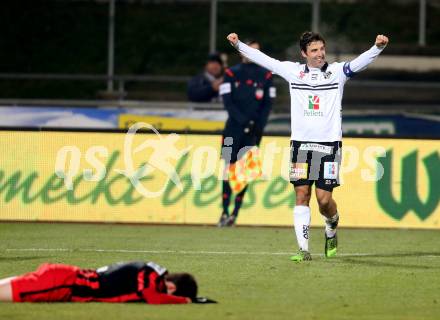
164 152
163 158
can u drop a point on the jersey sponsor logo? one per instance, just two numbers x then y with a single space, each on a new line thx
313 109
313 113
316 147
225 88
314 102
314 76
298 171
330 170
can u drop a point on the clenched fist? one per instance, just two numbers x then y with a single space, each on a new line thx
381 41
232 38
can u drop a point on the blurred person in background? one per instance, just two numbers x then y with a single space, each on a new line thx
204 87
247 94
316 90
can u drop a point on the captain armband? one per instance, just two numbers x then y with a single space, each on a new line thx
347 70
225 88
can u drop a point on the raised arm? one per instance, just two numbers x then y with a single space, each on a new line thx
258 57
361 62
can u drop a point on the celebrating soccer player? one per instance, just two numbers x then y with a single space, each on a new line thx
316 90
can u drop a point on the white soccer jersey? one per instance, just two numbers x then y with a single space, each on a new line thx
315 94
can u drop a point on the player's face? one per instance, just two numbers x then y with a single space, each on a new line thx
171 287
315 54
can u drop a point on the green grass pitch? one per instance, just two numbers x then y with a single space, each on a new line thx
379 274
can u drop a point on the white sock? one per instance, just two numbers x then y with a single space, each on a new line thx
329 231
301 221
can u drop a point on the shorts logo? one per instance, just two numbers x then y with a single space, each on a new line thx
313 102
316 147
298 171
330 170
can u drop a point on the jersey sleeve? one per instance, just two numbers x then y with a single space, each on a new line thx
255 55
164 298
361 62
153 295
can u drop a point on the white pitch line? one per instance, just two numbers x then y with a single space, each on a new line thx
150 251
261 253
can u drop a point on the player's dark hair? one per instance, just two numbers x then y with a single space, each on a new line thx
309 37
186 285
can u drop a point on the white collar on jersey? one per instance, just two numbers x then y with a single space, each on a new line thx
323 68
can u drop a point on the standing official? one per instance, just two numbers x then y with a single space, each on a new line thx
247 94
316 90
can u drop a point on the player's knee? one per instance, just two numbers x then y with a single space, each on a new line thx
302 198
324 202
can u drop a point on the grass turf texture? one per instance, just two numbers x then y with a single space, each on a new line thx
379 274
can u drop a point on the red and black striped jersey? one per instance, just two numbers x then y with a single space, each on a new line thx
124 282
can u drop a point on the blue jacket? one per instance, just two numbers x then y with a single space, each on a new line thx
200 89
246 93
249 98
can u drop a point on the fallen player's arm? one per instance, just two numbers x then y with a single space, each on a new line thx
164 298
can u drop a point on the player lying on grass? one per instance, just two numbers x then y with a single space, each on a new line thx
120 282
